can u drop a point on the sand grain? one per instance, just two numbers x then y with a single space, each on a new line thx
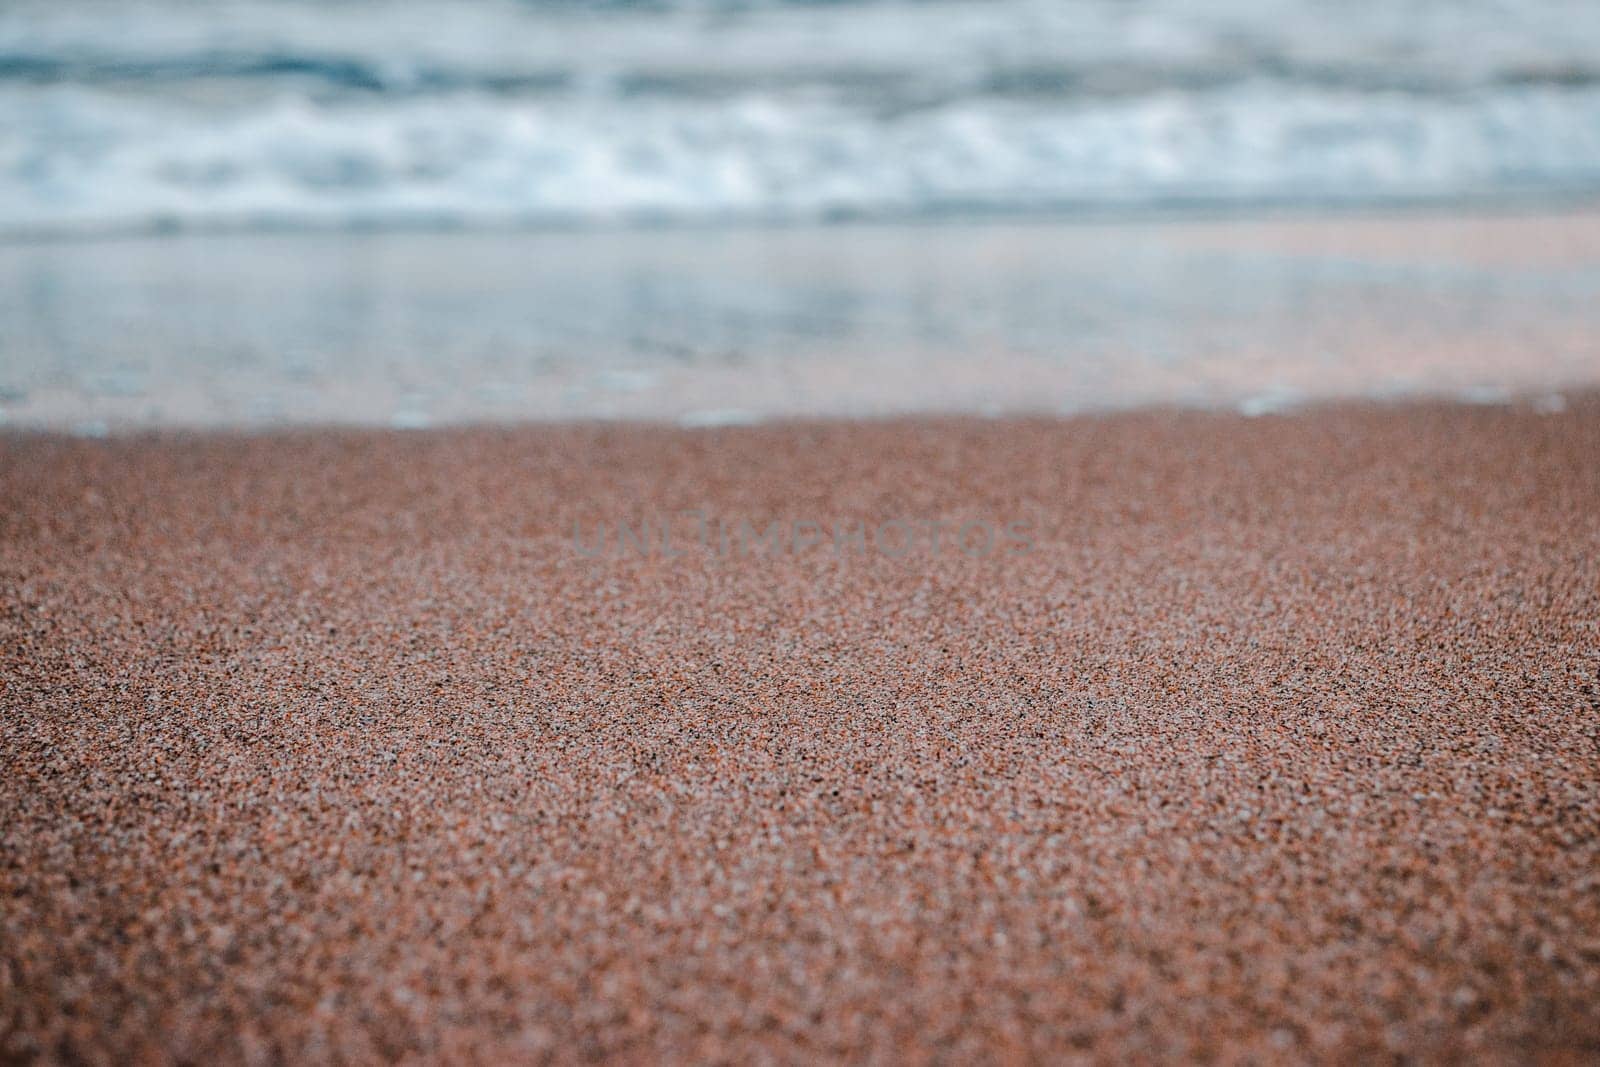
1284 740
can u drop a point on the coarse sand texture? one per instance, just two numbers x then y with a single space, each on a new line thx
1282 741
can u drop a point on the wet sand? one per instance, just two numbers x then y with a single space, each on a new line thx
1283 740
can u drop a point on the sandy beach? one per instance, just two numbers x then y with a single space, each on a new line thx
1265 738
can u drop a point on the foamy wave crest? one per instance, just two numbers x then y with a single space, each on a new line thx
85 159
475 112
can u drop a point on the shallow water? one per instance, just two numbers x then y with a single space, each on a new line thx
729 324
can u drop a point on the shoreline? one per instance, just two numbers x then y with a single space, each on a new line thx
1278 742
1551 400
412 330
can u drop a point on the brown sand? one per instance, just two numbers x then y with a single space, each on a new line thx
1283 742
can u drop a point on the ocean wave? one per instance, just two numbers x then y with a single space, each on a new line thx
172 113
939 48
81 159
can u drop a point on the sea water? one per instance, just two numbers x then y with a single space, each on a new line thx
413 211
310 113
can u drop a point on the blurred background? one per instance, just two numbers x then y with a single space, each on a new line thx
412 211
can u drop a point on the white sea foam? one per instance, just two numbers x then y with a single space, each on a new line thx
373 112
84 159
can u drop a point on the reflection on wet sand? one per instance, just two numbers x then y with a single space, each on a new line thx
737 325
